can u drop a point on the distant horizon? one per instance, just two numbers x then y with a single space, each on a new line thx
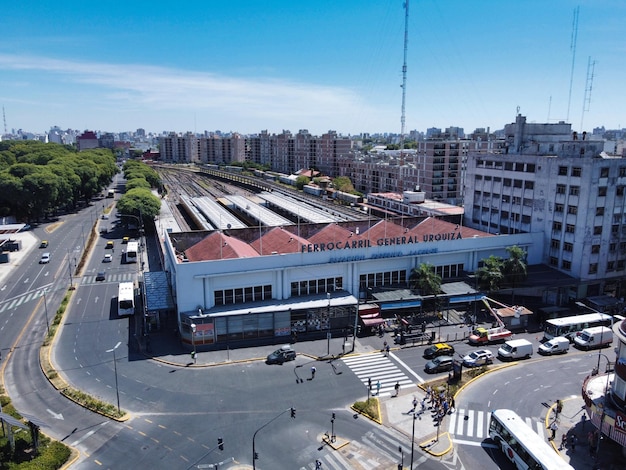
250 66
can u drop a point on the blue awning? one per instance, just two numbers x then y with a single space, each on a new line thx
413 303
466 298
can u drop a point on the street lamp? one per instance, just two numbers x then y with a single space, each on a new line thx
413 439
328 325
117 390
193 340
45 305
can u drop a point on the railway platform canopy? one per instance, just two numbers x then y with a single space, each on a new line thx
303 211
215 214
257 212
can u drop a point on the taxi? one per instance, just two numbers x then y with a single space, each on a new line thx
109 245
439 349
43 244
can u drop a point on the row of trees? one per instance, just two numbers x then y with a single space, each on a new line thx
38 180
495 273
138 199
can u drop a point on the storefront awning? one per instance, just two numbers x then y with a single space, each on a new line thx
466 298
397 305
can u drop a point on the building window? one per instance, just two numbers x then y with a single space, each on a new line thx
595 249
576 171
530 167
599 210
610 266
602 191
569 228
568 247
559 207
562 171
517 183
613 247
560 189
574 190
508 166
593 268
614 229
554 261
567 265
620 264
597 230
506 198
604 172
572 210
507 182
619 191
622 170
557 226
529 185
554 243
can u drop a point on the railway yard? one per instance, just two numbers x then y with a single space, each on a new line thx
208 199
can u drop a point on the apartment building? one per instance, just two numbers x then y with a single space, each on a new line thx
551 180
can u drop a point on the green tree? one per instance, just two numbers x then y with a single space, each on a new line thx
302 181
514 268
139 201
425 279
343 183
490 275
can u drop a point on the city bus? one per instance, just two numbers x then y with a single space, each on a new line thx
521 444
572 326
132 250
126 299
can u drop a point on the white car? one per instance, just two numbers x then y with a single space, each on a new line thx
107 258
480 357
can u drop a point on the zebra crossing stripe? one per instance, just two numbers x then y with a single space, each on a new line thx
480 418
478 424
470 423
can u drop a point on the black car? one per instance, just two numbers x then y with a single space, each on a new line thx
439 364
283 354
100 276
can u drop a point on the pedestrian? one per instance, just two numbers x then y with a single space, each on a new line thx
397 387
313 370
369 383
452 405
387 350
385 346
559 408
553 428
583 420
414 404
318 464
572 442
378 387
563 441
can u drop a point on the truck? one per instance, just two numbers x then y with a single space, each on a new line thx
490 335
516 349
595 337
111 193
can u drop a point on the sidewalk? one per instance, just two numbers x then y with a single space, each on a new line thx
29 242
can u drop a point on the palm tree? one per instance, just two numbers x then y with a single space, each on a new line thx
490 274
425 279
514 268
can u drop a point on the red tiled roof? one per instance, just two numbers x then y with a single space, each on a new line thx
278 240
219 246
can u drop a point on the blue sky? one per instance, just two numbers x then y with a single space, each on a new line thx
248 66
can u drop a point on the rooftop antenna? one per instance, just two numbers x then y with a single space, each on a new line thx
573 49
591 65
403 117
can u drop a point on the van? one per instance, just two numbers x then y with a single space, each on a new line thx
558 345
595 337
516 349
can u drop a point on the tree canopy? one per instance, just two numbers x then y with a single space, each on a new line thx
38 179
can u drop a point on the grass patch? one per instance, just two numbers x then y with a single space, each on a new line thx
368 408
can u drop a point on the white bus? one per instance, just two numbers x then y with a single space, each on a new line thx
132 250
572 326
126 299
522 445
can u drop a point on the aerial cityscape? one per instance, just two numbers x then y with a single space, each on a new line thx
348 236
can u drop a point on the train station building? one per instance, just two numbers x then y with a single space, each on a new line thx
272 283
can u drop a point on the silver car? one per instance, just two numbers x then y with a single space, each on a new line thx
480 357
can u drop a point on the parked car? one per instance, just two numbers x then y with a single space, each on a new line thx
107 258
43 244
109 245
125 240
439 349
105 216
480 357
45 258
100 276
439 364
283 354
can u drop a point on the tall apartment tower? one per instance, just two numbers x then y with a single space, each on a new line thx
549 179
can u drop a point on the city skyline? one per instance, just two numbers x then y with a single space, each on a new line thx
247 67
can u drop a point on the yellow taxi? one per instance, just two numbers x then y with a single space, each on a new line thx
109 245
43 244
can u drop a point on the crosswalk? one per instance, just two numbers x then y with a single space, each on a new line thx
378 367
15 302
474 424
110 278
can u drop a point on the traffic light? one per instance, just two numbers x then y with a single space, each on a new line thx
293 413
256 456
220 443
